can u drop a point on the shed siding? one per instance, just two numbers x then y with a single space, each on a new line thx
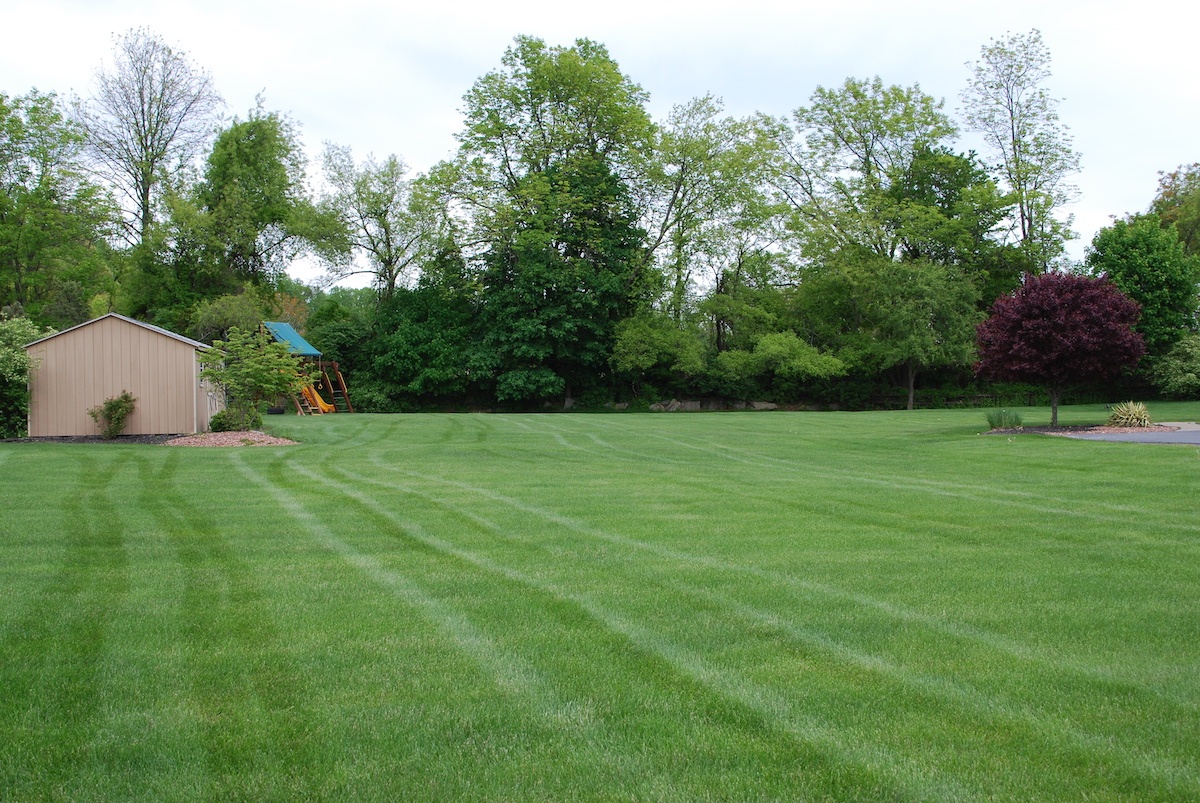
80 368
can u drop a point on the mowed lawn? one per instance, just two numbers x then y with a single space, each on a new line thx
750 606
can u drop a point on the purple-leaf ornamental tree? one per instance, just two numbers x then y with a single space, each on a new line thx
1059 329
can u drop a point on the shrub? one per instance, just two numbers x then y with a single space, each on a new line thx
1178 373
1129 414
15 365
235 420
252 369
1003 419
113 413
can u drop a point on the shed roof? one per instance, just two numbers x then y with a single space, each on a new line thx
284 333
193 343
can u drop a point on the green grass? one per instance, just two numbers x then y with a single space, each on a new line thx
865 606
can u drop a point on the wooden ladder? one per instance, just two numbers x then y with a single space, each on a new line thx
302 405
337 390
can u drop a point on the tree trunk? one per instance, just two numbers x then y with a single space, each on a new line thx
1055 393
911 374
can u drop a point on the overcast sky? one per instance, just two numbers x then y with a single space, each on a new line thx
384 77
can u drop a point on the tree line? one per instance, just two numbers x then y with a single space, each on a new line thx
575 249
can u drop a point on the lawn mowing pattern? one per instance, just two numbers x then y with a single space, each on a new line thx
866 606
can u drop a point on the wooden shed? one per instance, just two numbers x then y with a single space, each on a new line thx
78 368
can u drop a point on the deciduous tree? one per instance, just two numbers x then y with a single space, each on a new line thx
549 145
1178 204
1147 263
1007 102
150 113
385 222
1178 373
54 221
1060 329
704 198
847 148
252 368
255 195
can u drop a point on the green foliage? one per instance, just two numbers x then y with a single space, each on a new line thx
1003 419
1007 102
876 314
236 420
14 359
214 319
1178 204
547 144
350 342
559 280
651 348
1129 414
112 415
15 365
251 368
705 198
238 228
1178 373
66 305
1148 263
784 354
381 216
848 147
55 221
427 345
253 191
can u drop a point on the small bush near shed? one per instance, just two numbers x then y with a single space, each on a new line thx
230 421
113 413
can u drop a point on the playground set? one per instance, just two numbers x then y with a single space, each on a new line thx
328 378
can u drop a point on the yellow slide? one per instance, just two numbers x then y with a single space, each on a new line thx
315 400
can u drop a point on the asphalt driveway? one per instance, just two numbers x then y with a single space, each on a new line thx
1188 433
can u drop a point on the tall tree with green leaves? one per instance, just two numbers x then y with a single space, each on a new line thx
877 314
54 220
1149 264
944 208
150 113
549 145
893 228
1007 102
254 192
704 198
242 224
387 221
1178 204
840 156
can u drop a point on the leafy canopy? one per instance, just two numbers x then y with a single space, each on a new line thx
1060 329
252 368
1148 263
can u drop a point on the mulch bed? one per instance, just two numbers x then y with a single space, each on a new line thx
1078 430
252 438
